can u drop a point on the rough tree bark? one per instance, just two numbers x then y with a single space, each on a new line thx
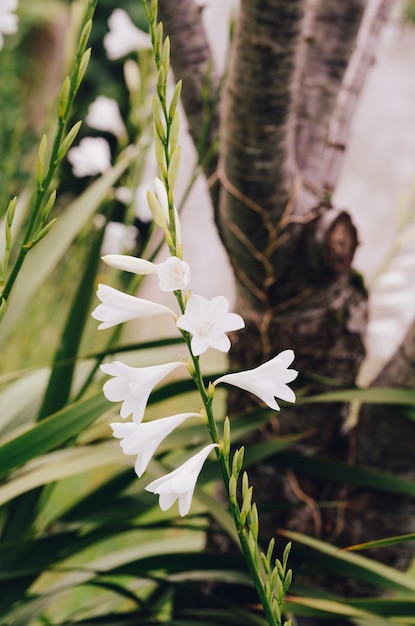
296 70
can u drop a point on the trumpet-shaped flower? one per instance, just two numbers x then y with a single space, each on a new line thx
91 157
208 321
180 484
132 385
131 264
118 307
124 37
143 439
268 381
173 274
104 114
8 21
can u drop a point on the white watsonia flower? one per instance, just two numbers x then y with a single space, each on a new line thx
143 439
132 385
173 274
118 307
91 157
124 37
119 238
104 114
180 484
268 381
131 264
208 321
8 21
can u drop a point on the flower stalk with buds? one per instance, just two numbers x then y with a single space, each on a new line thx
203 324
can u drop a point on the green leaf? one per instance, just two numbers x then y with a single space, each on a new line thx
59 465
47 254
51 433
374 395
331 558
381 543
60 382
350 474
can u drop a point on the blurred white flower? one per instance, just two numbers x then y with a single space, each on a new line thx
137 199
124 37
268 381
173 274
8 21
118 307
180 484
208 321
144 439
104 114
118 238
91 157
132 385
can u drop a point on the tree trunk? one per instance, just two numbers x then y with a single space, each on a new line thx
296 70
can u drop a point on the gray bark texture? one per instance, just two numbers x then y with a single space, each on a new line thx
295 73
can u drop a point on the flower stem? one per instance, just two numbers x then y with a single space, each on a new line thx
43 181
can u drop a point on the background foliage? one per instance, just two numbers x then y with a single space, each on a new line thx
81 541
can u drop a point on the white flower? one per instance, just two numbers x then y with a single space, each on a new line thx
144 439
132 385
124 37
208 321
118 307
137 199
173 274
91 157
268 381
119 238
180 484
131 264
8 21
104 114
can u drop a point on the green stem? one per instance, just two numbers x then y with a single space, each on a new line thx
250 558
54 161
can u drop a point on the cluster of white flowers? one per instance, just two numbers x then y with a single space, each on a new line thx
8 20
207 323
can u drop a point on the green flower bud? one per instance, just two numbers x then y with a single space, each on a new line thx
68 141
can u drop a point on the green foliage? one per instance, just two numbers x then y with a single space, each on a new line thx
409 11
82 543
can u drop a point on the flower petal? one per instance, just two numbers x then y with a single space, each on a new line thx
118 307
173 274
130 264
181 482
268 381
208 321
133 385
